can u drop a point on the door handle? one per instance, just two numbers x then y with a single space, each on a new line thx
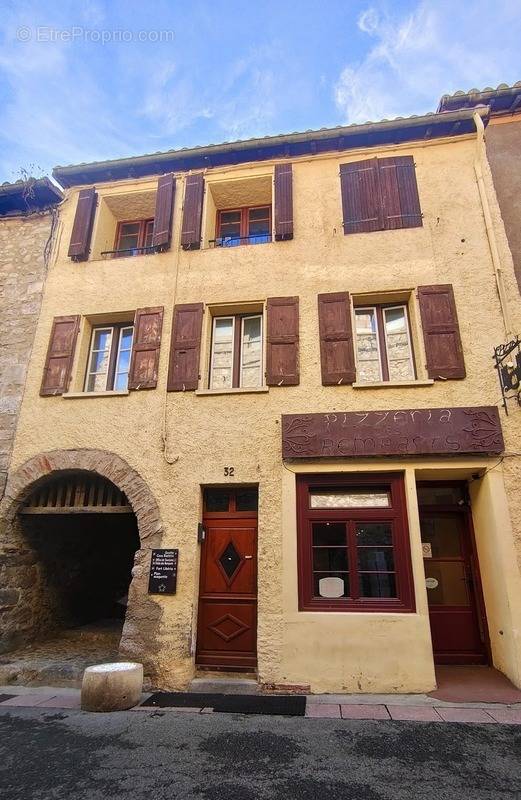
248 557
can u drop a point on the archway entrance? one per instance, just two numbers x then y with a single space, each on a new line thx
84 535
76 531
79 537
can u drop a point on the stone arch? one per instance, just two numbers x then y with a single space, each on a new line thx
140 632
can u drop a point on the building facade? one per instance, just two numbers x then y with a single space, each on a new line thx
274 357
27 211
503 145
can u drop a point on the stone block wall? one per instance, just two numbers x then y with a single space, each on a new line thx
22 276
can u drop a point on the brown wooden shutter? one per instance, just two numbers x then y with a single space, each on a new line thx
441 332
337 355
162 232
399 193
60 355
144 363
79 246
282 357
361 205
192 212
185 347
283 202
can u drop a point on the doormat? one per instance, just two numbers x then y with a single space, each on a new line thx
283 705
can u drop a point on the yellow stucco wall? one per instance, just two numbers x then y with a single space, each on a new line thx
205 433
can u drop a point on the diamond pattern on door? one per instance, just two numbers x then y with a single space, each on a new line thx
230 560
228 627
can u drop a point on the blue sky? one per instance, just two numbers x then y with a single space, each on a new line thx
221 70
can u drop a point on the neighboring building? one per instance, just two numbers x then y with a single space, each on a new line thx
503 143
274 356
27 214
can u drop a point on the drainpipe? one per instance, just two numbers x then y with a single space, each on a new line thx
491 236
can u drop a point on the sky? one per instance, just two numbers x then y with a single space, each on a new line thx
94 80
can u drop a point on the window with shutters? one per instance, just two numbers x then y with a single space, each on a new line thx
109 357
243 226
238 212
133 238
136 223
383 343
353 543
380 194
236 354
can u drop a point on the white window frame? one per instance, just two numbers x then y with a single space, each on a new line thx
212 353
91 351
402 306
126 328
373 309
261 364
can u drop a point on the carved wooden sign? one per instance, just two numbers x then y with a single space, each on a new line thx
407 432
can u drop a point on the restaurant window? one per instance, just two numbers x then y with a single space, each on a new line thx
236 352
383 344
243 226
134 238
353 544
109 358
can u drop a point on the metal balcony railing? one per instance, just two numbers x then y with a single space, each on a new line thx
131 251
234 241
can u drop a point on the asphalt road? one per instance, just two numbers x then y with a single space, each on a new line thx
50 755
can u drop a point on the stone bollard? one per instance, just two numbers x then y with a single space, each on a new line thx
111 687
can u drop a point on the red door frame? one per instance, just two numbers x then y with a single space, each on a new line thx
232 520
476 593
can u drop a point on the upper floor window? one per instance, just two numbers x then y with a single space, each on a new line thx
134 238
243 226
236 353
383 344
109 357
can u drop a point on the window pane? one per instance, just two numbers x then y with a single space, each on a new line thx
398 345
247 500
374 533
443 534
251 354
148 233
353 498
222 357
129 235
440 495
259 214
451 584
324 590
230 227
379 584
216 500
230 217
367 350
376 558
258 225
123 359
330 559
99 360
329 533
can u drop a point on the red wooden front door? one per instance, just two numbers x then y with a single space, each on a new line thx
458 625
227 621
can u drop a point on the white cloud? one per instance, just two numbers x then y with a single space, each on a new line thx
435 49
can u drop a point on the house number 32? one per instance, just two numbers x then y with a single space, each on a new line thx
229 472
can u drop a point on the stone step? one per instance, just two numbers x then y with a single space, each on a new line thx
224 685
